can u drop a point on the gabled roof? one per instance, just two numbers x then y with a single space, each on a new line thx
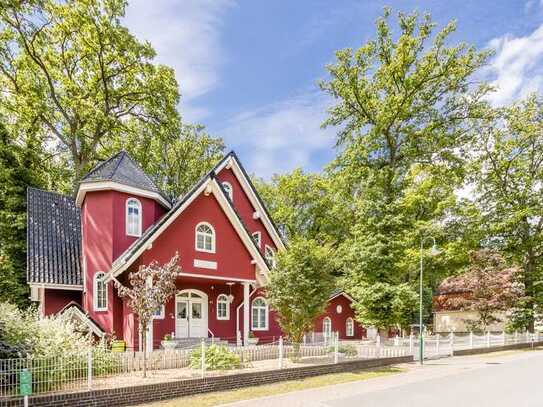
53 239
232 161
207 184
75 311
119 171
339 292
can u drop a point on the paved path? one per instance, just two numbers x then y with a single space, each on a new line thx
509 379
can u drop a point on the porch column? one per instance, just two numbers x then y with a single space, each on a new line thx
245 313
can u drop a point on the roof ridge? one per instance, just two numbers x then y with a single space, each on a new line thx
51 192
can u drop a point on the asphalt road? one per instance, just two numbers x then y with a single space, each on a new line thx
499 380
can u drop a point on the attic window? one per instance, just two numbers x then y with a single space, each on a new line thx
205 238
228 189
133 217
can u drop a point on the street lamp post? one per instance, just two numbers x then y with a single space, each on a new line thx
434 251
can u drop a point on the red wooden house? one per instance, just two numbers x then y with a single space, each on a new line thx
120 220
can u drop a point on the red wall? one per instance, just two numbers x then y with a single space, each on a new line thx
55 300
339 320
232 257
245 208
104 239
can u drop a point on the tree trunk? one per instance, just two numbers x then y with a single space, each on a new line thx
144 344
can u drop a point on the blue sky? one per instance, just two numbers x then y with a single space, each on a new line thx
248 69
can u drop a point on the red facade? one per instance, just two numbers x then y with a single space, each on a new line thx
206 276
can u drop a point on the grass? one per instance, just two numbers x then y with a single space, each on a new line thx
213 399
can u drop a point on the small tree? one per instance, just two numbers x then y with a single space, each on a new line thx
151 287
300 286
488 287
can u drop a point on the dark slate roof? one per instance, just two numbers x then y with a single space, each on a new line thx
123 169
53 238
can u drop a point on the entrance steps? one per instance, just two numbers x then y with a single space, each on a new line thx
186 343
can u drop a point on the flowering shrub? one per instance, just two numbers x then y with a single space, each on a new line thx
57 348
216 358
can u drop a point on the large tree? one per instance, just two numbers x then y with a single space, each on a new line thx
508 175
404 103
72 70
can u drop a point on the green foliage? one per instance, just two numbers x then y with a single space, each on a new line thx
300 285
348 350
508 175
216 358
383 305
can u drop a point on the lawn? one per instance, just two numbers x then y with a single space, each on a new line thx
214 399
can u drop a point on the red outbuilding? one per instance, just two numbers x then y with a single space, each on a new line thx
120 220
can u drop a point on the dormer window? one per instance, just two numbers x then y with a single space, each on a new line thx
269 255
228 189
133 217
257 237
205 238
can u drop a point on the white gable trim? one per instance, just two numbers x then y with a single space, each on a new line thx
232 164
57 286
115 186
342 294
84 318
210 186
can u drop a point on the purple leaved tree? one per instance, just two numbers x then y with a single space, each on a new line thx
150 287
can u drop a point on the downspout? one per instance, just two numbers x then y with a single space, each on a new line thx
237 313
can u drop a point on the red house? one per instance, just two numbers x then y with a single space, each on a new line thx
120 220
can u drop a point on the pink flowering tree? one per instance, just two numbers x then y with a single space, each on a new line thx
150 287
489 287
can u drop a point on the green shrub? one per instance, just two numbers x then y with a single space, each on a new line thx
216 358
347 350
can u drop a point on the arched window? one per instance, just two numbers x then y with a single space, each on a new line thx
259 314
327 327
269 255
257 238
205 238
349 327
228 189
100 292
223 307
133 217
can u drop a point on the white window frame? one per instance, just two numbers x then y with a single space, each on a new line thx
257 237
266 313
349 327
228 189
96 307
324 331
213 237
223 298
140 216
161 314
269 249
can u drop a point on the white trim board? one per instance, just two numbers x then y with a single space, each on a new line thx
115 186
232 163
57 286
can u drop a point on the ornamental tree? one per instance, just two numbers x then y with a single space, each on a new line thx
489 287
300 285
150 288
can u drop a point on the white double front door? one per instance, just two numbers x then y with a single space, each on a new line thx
191 314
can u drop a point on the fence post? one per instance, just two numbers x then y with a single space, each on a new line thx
488 339
438 337
516 337
471 339
280 352
451 342
503 338
336 348
411 343
203 362
89 369
305 339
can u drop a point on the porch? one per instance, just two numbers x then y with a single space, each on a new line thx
204 309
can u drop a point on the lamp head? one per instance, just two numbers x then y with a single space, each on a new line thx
434 251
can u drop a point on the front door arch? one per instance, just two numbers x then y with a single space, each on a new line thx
191 316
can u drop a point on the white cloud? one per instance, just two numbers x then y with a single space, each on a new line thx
185 35
517 68
282 136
